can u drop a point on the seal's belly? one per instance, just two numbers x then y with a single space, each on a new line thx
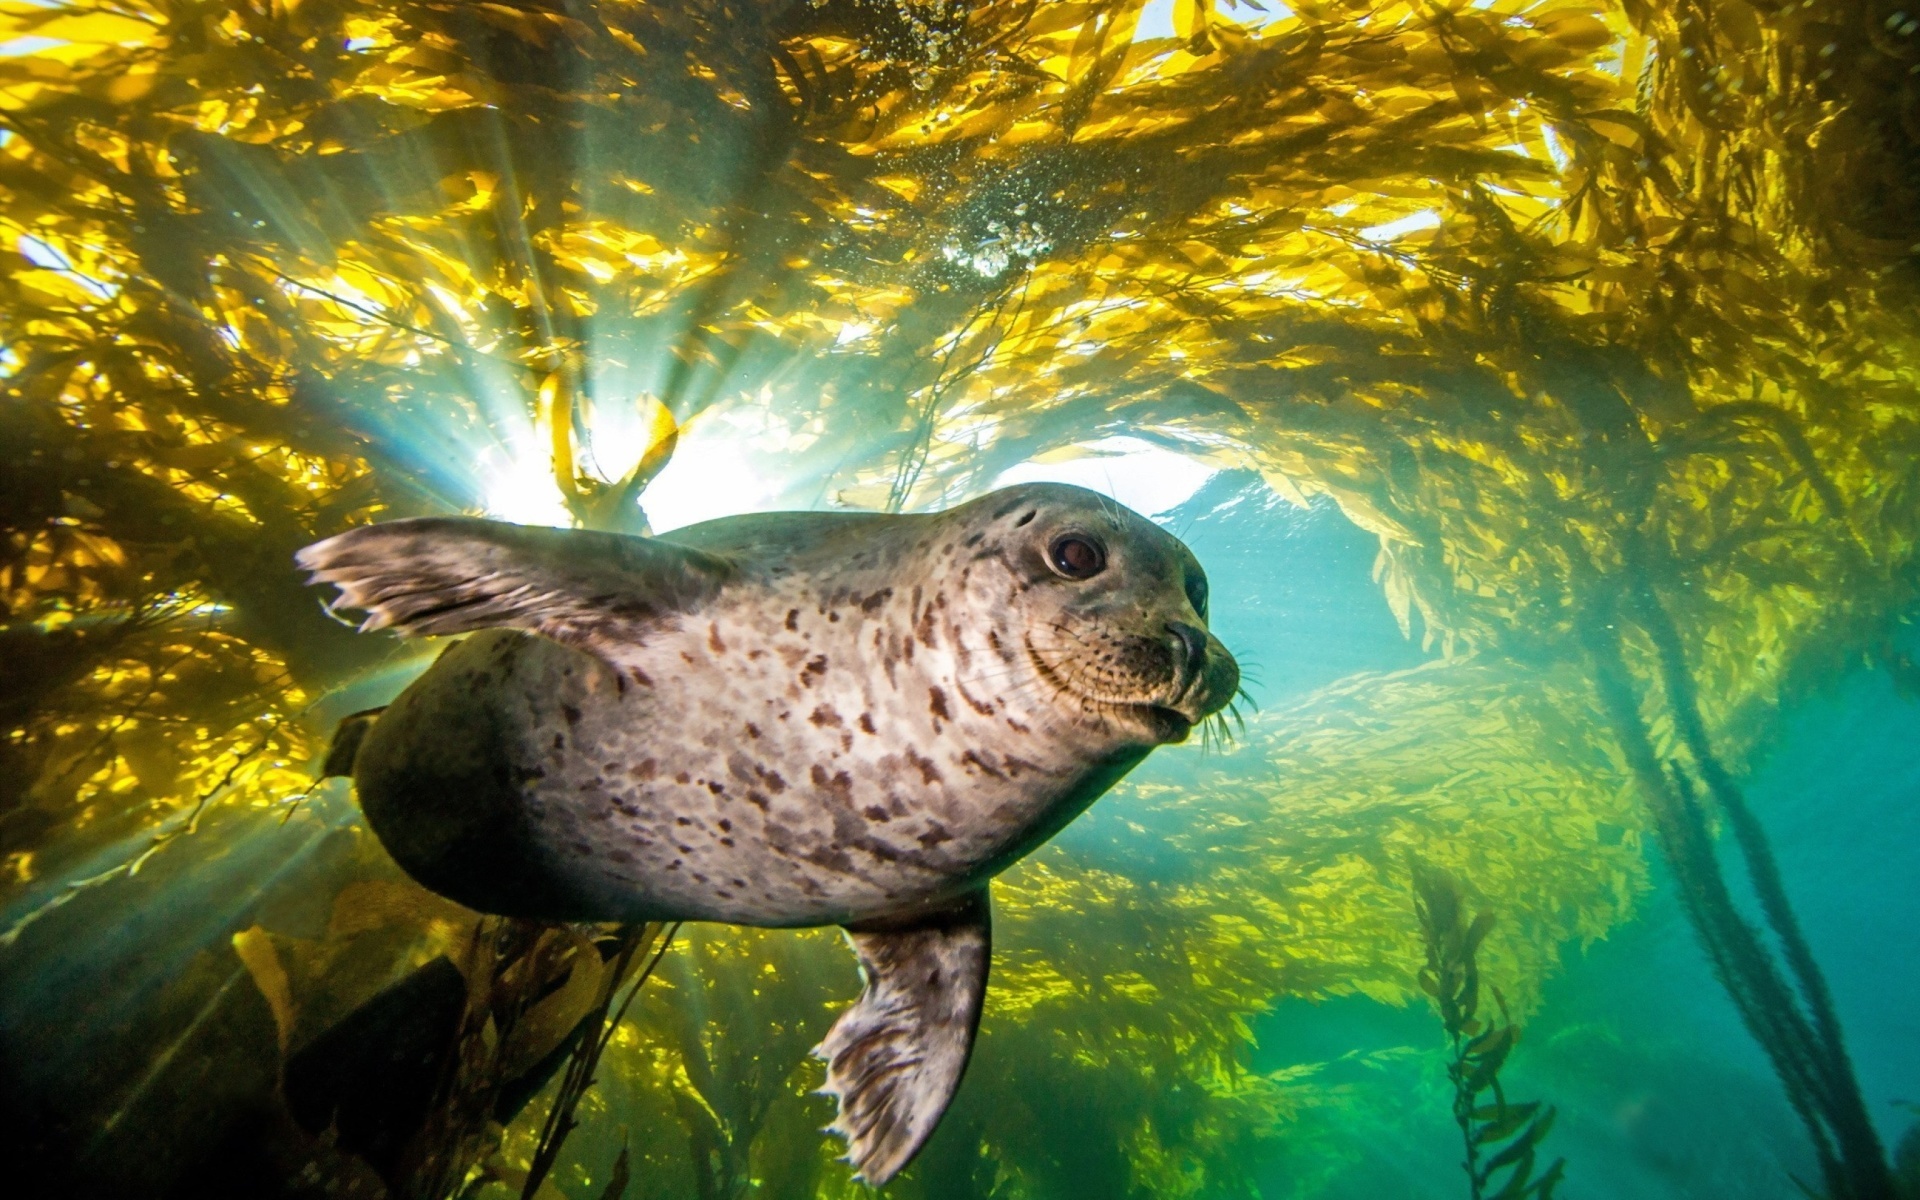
746 790
722 796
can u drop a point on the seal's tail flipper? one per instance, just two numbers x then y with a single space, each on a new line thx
347 736
895 1058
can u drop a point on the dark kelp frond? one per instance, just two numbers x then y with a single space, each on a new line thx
1501 1138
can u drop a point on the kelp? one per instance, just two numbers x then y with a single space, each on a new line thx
419 1080
1480 1045
1599 316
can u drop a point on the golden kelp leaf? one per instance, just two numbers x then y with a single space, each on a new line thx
542 1028
262 961
371 904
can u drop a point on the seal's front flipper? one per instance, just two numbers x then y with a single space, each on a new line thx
895 1058
435 575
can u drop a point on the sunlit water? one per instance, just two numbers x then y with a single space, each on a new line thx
1468 388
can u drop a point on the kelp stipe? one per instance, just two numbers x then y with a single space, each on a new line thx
1906 1162
1497 1136
634 944
518 999
1794 1022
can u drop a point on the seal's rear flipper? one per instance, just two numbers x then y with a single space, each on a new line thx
895 1058
347 736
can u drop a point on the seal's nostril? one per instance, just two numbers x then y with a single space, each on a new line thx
1193 641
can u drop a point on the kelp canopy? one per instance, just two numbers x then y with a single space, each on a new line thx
1600 317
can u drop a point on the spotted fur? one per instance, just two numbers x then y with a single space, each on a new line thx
788 719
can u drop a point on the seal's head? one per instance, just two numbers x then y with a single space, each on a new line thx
1111 611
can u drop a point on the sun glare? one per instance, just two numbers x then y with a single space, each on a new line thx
519 486
1146 477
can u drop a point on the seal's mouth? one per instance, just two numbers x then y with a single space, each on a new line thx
1164 710
1168 725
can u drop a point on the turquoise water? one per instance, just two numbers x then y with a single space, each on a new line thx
1661 1092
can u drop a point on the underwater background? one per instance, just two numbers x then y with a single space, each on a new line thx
1539 383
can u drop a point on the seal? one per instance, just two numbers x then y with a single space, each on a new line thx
781 719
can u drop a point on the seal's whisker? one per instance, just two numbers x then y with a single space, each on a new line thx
1071 632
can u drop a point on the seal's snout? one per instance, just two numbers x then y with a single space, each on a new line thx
1205 676
1193 650
1189 659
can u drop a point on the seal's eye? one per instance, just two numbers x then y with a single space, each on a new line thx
1077 556
1197 595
